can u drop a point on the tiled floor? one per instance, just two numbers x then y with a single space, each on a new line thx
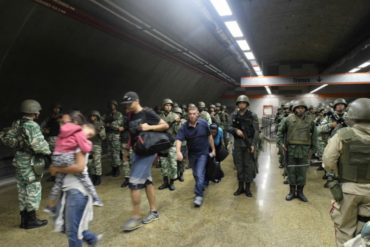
266 219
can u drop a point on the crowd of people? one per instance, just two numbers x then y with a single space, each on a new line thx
336 134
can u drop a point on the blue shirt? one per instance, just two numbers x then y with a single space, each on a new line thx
196 137
219 136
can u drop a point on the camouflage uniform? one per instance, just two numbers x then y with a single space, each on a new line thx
126 155
224 124
298 135
95 166
168 163
113 122
247 122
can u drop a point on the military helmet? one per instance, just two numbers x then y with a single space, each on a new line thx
286 105
212 106
218 104
30 106
224 107
95 113
242 98
177 110
299 103
201 104
339 101
113 102
167 101
191 105
184 106
359 110
175 104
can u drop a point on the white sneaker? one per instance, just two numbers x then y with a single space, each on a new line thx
98 203
198 201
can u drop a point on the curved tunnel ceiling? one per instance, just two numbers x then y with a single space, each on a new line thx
54 58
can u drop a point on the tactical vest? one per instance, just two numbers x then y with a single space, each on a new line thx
299 130
245 123
354 163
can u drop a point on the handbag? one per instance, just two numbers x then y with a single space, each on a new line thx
151 142
221 153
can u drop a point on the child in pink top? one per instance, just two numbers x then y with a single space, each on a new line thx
72 139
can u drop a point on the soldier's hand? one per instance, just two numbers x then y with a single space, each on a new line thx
240 133
121 129
179 156
333 125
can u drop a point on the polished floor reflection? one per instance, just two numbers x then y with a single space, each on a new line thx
266 219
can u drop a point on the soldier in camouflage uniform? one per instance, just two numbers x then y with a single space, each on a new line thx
245 129
113 127
347 160
29 163
297 136
214 115
95 165
331 123
203 113
168 160
224 123
176 126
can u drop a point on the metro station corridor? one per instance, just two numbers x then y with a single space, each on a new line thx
266 219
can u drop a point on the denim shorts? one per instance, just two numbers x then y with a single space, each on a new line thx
141 171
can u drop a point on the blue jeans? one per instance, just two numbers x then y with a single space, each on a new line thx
74 208
198 164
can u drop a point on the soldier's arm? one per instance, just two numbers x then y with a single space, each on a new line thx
324 126
230 128
281 132
314 138
36 139
117 124
332 153
256 127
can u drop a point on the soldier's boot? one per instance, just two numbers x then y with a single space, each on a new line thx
181 177
240 189
171 186
97 180
33 222
117 171
23 218
248 192
291 194
125 182
165 184
300 194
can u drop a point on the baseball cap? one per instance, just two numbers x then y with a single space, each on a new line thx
129 97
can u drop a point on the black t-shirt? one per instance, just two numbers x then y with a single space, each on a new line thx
145 116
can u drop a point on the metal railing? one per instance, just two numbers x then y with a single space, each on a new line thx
268 128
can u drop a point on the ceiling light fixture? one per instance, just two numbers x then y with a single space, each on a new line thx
317 89
268 89
222 7
243 45
249 55
354 70
234 29
364 65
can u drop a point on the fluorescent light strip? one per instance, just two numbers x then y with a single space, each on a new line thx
364 65
257 69
317 89
354 70
221 7
249 55
268 89
243 45
234 29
